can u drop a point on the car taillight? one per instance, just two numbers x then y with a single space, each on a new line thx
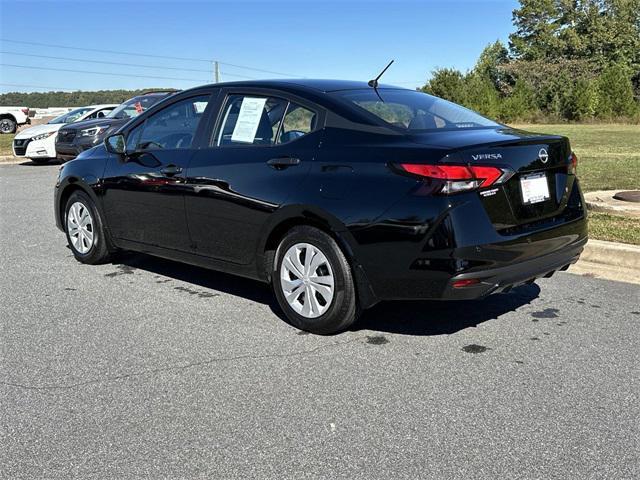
25 111
459 178
573 164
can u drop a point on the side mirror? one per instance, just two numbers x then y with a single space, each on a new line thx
116 144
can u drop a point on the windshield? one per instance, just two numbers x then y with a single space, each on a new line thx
414 111
71 116
135 106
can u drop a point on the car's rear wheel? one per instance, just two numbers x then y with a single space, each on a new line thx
7 125
84 229
313 283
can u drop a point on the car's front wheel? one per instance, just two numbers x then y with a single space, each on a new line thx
84 229
313 283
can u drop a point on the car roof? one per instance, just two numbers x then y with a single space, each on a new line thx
104 105
317 85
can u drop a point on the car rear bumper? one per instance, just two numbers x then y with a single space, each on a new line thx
423 259
504 278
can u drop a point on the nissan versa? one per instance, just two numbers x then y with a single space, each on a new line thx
337 193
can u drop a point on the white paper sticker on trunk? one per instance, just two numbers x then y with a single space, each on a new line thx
248 119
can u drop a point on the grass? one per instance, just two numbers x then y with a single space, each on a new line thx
608 154
5 144
614 228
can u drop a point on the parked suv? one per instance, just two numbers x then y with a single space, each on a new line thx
73 139
39 143
12 117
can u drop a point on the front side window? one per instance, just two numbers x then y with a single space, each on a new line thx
173 127
250 120
414 111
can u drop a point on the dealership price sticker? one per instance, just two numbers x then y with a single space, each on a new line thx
248 120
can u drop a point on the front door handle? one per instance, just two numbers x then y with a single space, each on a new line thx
171 170
280 163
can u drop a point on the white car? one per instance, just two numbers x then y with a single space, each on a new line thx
39 143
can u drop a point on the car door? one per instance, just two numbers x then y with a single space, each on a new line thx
260 152
144 189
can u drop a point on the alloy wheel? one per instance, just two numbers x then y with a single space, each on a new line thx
307 280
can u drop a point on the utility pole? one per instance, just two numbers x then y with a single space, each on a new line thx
216 71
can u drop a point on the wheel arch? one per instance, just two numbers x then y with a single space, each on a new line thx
304 216
70 185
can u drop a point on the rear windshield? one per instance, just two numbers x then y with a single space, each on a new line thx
414 111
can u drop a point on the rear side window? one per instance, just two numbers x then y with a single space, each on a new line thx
173 127
256 120
298 121
250 120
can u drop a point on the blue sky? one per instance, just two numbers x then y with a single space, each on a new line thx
349 39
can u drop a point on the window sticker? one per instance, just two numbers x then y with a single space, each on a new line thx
248 119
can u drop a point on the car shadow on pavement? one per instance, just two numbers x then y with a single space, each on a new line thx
202 277
442 317
399 317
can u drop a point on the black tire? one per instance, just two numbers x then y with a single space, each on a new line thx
343 309
8 125
100 250
40 161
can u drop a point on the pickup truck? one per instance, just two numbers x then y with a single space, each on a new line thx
11 117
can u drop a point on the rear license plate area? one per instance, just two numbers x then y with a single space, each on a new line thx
534 188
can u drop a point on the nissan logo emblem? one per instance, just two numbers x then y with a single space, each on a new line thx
543 155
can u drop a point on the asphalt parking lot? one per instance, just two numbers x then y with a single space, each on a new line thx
146 368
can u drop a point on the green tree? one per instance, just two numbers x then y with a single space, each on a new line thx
615 93
491 64
447 83
520 104
481 95
581 101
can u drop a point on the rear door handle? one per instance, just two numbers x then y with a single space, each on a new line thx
283 162
171 170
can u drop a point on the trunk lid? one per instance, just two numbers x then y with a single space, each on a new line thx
535 158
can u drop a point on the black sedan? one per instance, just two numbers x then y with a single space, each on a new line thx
338 194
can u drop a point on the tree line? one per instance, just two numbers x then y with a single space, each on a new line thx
573 60
70 99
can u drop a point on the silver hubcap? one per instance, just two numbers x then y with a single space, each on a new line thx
80 227
307 280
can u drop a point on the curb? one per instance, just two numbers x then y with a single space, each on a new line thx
9 159
610 260
602 201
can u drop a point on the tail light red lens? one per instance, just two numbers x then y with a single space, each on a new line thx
25 111
573 164
465 283
459 178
